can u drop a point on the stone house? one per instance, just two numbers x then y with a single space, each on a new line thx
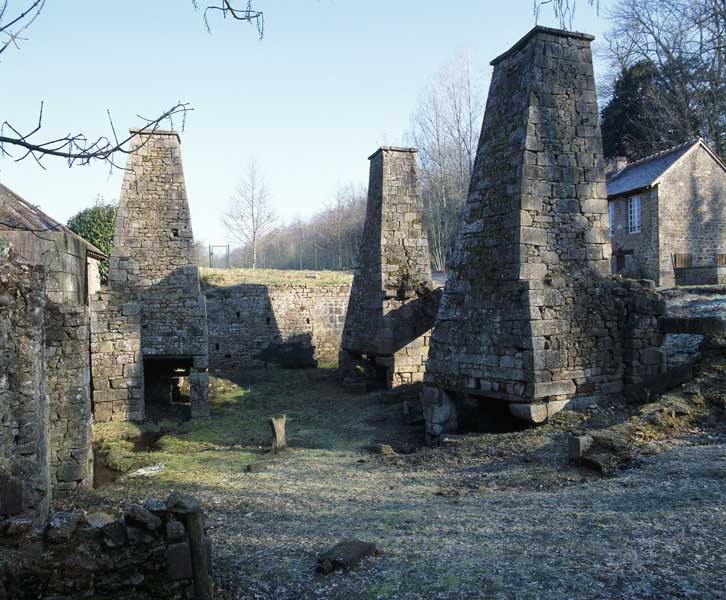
47 276
668 217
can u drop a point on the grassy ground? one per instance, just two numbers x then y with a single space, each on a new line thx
225 277
486 516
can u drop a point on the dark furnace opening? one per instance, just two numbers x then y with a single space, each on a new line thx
166 387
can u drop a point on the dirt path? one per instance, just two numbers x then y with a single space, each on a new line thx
497 516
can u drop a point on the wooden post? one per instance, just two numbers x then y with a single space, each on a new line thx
279 441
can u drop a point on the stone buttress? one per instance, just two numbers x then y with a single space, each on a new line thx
152 263
529 315
391 306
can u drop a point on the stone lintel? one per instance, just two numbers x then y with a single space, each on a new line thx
392 149
155 132
537 30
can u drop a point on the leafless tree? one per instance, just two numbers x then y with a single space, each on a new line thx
564 10
686 41
250 215
76 148
445 129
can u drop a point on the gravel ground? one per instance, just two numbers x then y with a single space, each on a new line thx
487 516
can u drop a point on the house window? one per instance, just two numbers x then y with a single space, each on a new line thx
721 260
611 213
634 214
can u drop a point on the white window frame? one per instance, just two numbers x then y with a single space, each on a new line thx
634 214
611 215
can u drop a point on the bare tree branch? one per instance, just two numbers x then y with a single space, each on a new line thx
244 12
564 10
78 149
21 22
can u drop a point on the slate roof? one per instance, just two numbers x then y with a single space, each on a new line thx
17 214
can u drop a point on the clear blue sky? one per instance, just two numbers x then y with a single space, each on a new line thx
330 82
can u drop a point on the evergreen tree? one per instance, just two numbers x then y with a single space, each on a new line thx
96 225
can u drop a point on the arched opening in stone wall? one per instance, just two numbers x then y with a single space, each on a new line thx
166 387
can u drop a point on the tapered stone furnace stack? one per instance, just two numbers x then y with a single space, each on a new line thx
153 263
529 315
391 307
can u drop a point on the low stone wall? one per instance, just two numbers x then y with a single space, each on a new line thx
251 325
707 275
117 364
155 552
24 438
68 371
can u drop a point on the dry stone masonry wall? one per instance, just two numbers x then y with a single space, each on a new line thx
68 371
156 551
24 411
392 304
528 314
153 261
292 325
118 384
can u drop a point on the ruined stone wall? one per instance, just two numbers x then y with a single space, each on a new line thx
116 358
394 272
643 259
151 553
24 412
250 324
527 313
68 371
692 213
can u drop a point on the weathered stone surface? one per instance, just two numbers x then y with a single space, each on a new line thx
61 526
175 531
98 519
250 325
179 561
577 445
138 516
115 534
345 555
382 449
392 304
24 405
152 268
439 411
182 505
529 313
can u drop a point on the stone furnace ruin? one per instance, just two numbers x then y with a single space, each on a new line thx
154 281
530 319
392 305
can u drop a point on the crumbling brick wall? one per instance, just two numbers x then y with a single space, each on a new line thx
24 410
247 322
116 355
